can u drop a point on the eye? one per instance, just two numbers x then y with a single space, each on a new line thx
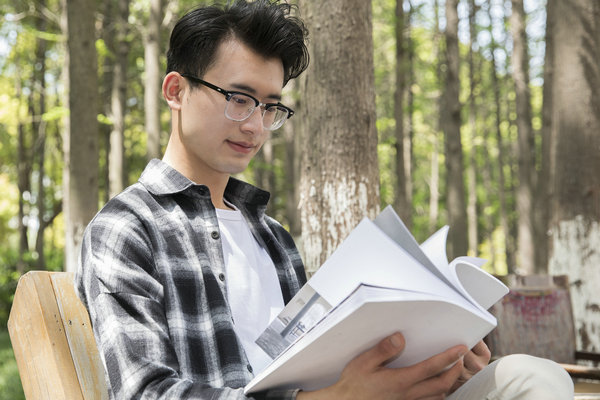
241 100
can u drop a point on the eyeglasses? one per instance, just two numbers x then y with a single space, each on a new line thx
240 106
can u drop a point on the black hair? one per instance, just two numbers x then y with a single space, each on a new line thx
265 26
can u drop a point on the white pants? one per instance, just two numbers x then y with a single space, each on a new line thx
518 377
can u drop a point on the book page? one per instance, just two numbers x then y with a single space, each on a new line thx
390 223
368 256
303 312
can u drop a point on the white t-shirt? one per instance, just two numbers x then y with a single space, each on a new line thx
253 288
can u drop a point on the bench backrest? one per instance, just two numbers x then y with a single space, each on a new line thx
52 340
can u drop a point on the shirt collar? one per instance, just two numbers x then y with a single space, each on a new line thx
160 179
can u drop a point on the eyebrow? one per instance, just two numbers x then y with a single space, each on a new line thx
252 91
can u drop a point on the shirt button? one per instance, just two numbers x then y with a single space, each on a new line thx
249 368
222 277
215 235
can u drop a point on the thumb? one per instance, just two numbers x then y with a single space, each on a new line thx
383 352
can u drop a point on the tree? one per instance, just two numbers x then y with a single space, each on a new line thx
80 178
526 145
575 159
152 78
340 177
451 122
403 203
120 52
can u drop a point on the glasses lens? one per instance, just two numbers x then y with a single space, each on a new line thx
274 117
239 107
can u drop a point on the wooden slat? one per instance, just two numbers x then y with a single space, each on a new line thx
39 341
80 337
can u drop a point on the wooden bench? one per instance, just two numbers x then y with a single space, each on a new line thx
52 340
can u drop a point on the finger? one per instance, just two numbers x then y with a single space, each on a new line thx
439 385
437 364
476 359
481 349
381 353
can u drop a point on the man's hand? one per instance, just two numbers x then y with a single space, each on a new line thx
366 377
474 361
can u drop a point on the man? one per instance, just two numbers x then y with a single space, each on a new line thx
183 270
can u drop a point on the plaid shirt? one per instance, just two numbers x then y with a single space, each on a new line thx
153 279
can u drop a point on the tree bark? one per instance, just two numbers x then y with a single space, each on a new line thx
340 178
403 203
152 87
543 190
502 160
455 187
473 231
116 165
40 124
526 145
574 155
80 177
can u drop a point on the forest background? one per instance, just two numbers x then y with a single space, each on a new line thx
480 114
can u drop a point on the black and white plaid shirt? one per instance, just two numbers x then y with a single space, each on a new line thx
152 276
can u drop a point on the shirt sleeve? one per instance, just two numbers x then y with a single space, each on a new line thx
118 283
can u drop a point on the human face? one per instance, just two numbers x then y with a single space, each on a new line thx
212 143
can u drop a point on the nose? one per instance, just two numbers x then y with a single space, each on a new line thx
254 123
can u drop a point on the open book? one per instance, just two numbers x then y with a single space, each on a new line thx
379 281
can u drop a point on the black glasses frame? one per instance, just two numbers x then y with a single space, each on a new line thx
229 94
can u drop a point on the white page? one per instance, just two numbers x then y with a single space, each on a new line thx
390 223
368 256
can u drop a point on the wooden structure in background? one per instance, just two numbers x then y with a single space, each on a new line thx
52 340
536 318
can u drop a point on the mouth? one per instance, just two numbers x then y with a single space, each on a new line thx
241 147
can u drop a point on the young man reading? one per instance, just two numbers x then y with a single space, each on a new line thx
183 270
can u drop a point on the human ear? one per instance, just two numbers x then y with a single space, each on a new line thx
172 90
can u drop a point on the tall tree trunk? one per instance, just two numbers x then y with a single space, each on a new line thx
152 78
80 177
455 187
108 36
23 179
434 179
403 203
544 193
473 233
575 182
40 133
340 179
526 145
116 174
502 160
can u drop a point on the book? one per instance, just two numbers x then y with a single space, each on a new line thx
377 282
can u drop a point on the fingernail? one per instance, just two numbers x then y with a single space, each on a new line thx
396 342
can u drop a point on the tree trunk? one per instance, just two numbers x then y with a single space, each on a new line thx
526 145
544 194
340 178
40 133
80 177
455 187
23 180
116 174
152 87
434 179
502 160
403 203
473 233
574 155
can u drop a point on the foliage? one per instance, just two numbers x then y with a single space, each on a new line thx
10 382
